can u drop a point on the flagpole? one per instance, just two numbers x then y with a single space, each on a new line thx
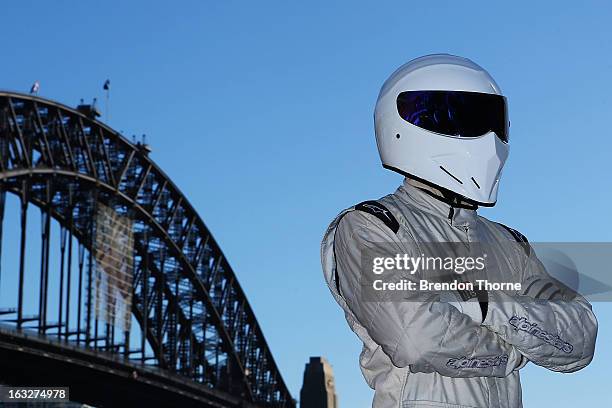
106 87
107 104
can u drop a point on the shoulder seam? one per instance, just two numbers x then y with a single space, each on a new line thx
518 237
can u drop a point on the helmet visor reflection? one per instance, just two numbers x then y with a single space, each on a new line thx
455 113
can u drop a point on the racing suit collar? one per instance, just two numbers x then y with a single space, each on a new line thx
431 200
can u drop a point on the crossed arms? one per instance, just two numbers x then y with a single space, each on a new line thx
430 335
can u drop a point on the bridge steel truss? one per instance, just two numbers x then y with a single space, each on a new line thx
189 306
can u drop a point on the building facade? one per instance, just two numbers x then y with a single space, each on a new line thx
318 388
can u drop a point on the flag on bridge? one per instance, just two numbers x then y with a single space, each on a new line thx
35 87
106 86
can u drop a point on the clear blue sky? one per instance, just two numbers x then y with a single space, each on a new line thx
261 112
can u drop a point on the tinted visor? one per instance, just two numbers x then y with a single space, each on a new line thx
455 113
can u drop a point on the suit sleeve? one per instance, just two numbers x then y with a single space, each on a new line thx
423 333
547 322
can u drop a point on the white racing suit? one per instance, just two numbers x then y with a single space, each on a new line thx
427 353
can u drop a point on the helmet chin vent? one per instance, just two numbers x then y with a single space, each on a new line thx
475 183
450 174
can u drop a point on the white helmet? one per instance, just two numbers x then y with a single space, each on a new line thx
442 120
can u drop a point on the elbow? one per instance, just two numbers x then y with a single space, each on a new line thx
584 358
590 328
404 354
400 358
572 367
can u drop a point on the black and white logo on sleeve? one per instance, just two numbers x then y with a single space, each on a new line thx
381 212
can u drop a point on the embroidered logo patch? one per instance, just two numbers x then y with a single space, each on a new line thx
522 324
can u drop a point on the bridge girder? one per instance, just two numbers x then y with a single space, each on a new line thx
189 304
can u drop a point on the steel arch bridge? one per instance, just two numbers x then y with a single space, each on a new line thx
195 340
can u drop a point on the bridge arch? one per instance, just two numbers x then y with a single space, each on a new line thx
191 310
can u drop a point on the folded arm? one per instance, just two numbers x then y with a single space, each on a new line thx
548 323
419 331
